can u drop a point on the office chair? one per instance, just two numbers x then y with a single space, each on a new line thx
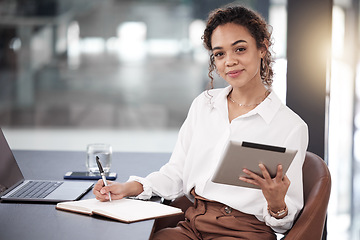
317 185
310 223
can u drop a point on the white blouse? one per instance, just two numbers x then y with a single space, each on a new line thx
201 141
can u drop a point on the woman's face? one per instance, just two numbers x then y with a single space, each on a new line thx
237 58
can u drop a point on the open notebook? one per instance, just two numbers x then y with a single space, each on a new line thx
123 210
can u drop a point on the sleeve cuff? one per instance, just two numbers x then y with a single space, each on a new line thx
147 193
279 225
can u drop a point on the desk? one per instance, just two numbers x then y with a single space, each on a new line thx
42 221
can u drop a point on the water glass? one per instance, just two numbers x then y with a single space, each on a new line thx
101 150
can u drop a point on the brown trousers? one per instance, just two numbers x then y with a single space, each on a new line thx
212 220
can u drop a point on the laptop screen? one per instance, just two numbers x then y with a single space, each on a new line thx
10 173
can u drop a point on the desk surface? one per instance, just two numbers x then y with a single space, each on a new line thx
42 221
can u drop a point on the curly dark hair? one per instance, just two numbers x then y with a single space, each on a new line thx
257 27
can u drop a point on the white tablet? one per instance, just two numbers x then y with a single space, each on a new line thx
240 155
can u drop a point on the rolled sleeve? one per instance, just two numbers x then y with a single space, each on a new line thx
147 193
283 224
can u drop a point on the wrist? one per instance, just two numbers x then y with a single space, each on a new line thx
134 188
277 205
279 214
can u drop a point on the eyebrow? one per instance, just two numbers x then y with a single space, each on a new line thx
233 44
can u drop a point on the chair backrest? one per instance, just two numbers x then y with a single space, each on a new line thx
310 222
317 185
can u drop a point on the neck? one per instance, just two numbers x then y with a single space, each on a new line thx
249 96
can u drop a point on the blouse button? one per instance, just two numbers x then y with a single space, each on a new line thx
228 209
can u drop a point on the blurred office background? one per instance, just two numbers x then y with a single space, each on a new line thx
125 72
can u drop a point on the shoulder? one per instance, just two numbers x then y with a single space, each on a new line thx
206 101
206 98
290 118
285 115
212 95
289 126
291 115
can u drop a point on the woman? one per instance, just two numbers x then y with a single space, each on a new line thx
246 110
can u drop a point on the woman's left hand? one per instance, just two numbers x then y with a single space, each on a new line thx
274 189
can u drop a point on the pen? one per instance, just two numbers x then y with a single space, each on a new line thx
102 174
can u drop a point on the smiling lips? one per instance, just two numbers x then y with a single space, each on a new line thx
234 73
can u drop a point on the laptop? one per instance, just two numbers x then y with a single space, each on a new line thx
13 186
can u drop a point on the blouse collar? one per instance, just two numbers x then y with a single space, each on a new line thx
266 109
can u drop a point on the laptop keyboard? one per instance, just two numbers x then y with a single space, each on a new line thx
36 189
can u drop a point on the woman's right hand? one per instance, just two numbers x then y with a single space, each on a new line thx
117 190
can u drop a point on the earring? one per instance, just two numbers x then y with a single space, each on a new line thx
262 64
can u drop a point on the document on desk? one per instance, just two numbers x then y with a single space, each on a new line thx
123 210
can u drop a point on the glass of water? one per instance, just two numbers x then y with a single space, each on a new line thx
104 152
